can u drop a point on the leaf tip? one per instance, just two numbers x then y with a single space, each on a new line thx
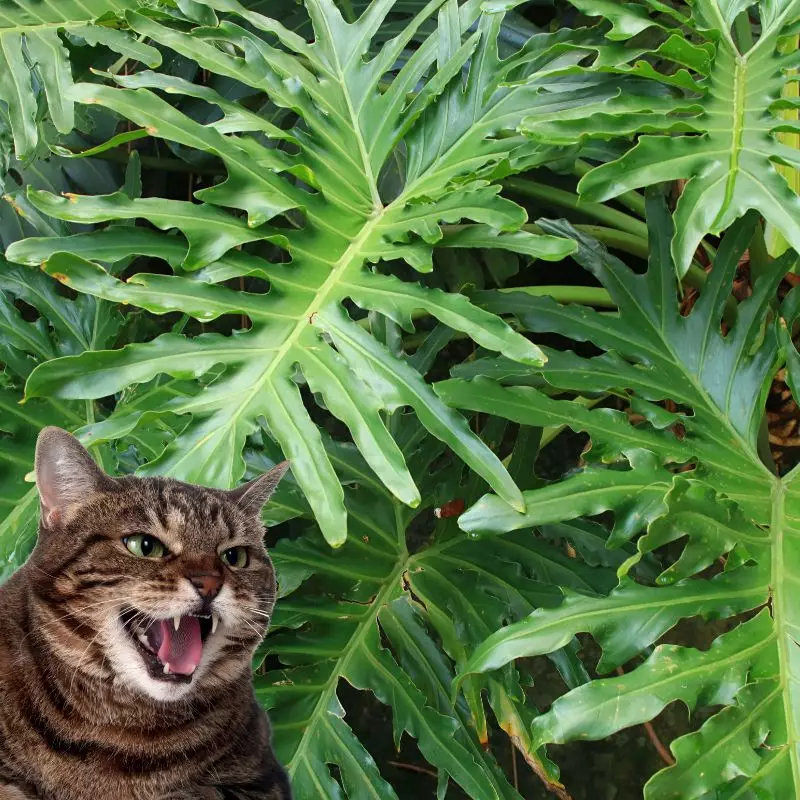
336 540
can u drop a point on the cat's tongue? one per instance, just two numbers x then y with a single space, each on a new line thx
181 649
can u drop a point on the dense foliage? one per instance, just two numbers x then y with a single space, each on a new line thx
306 235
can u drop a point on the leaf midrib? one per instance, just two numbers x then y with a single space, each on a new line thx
736 134
362 149
349 651
777 569
350 255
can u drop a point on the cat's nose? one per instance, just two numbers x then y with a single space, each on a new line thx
207 585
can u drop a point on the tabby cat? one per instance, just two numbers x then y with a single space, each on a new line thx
126 640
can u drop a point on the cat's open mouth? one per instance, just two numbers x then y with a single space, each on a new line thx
171 648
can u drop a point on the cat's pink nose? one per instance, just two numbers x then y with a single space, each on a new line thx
207 585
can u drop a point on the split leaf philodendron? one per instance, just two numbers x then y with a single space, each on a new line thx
338 223
715 86
724 503
240 231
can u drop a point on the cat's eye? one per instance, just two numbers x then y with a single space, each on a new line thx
145 546
236 557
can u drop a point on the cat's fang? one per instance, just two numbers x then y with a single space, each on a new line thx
214 623
166 669
177 621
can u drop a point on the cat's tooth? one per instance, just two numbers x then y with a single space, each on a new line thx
191 671
177 621
143 640
166 669
214 623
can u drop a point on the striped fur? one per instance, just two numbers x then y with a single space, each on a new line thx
80 719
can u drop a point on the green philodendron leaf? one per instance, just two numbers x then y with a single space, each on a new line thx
724 504
633 495
712 677
652 353
396 624
447 106
629 619
63 326
209 232
627 19
33 55
714 525
19 500
722 749
728 109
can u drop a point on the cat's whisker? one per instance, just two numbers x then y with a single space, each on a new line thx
259 612
253 628
44 572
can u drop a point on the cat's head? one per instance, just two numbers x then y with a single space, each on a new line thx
160 586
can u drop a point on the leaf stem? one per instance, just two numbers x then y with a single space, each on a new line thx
632 200
619 240
585 295
120 156
95 449
559 197
611 237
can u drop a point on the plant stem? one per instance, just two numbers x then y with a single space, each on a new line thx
620 240
585 295
95 449
632 200
609 216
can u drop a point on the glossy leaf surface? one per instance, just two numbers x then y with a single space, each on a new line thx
723 503
723 95
34 57
327 186
398 624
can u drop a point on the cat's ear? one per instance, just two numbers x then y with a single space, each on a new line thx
253 496
65 474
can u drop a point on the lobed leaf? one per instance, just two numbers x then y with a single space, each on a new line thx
731 153
725 505
344 134
32 53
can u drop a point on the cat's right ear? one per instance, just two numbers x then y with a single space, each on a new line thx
65 474
251 497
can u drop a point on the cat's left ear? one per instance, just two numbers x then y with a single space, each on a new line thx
253 496
66 475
